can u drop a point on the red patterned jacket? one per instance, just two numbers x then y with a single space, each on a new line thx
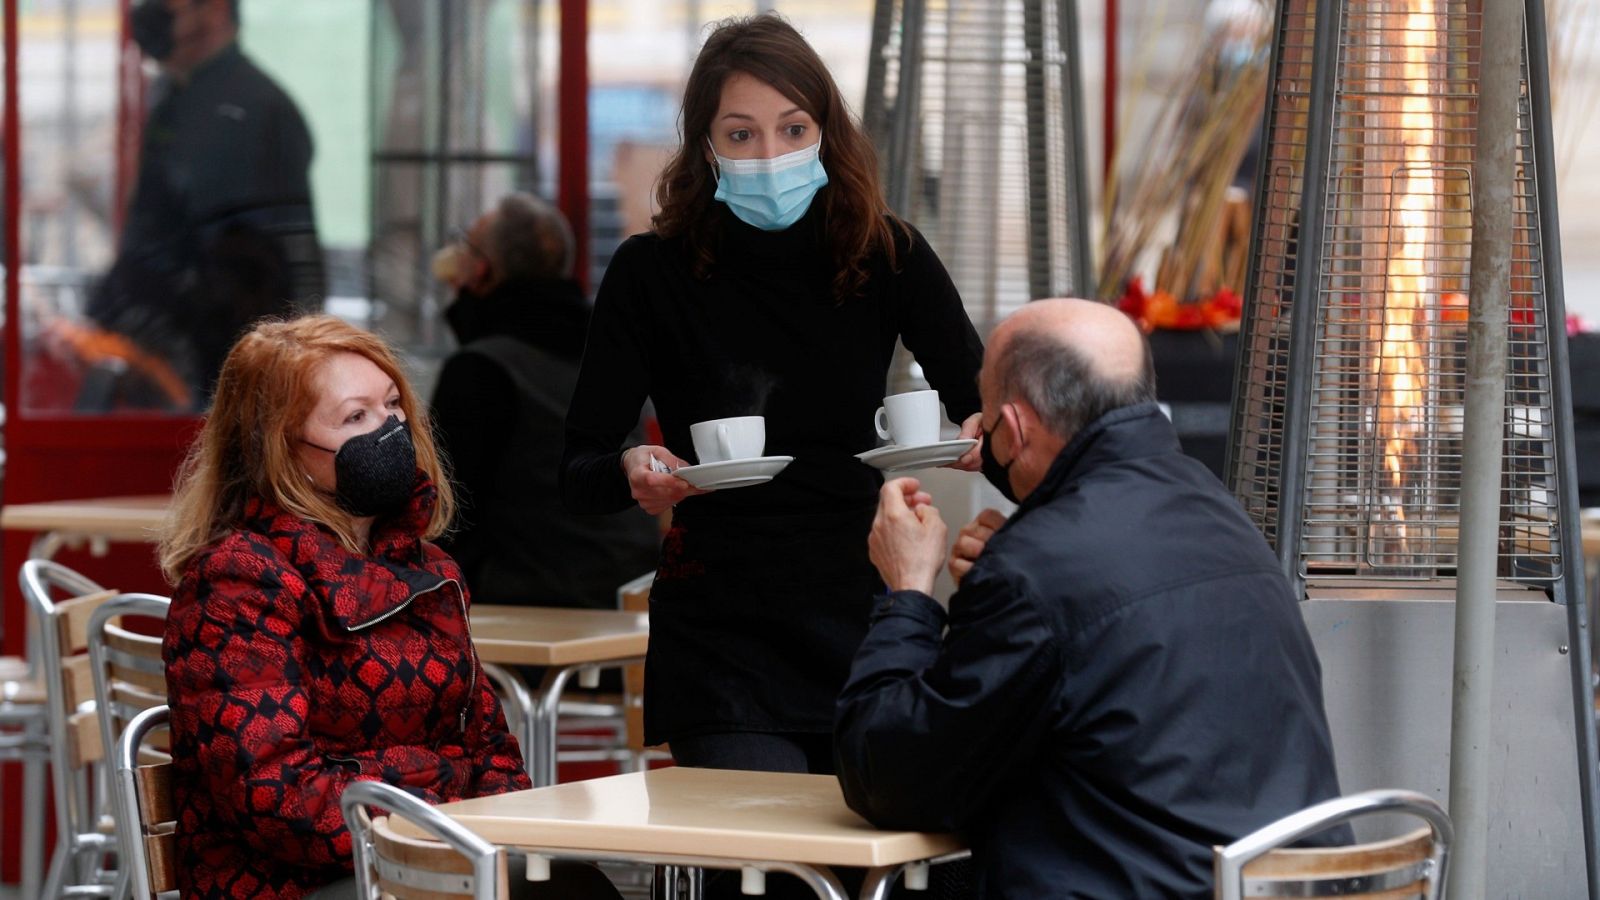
295 668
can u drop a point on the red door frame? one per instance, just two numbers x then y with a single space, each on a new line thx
64 456
56 457
572 129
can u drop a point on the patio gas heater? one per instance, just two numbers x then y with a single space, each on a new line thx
978 105
1346 439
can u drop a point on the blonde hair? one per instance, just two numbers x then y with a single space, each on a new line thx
248 444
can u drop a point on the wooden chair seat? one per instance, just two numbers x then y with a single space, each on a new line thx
22 691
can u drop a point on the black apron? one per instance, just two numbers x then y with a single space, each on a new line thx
754 621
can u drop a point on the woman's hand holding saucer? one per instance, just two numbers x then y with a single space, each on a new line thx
654 489
972 460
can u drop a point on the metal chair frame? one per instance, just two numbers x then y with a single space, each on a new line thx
112 713
487 881
79 846
24 738
130 812
1230 861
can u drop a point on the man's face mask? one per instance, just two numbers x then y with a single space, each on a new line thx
997 474
770 194
151 25
375 472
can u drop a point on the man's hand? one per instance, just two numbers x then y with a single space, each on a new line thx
656 491
907 540
972 460
971 540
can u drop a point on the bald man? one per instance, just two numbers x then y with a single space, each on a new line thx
1122 678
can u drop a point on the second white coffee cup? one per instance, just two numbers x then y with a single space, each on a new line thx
719 440
913 418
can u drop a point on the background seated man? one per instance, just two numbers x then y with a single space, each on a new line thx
1126 679
501 407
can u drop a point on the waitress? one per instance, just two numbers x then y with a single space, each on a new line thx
775 283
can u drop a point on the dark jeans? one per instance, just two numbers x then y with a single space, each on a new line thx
793 752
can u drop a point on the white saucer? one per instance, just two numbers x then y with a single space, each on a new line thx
733 473
924 456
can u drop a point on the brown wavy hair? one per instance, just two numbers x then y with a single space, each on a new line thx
247 446
859 223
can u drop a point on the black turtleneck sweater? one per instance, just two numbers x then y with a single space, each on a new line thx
762 334
762 593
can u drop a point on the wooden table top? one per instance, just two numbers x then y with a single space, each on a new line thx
114 518
545 636
747 816
1589 527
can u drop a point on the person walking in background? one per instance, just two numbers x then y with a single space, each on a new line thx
220 229
501 405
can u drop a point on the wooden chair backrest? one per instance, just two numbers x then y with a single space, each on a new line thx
414 869
158 815
68 631
134 674
634 598
1406 854
147 810
72 622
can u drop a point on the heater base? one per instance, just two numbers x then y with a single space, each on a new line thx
1386 673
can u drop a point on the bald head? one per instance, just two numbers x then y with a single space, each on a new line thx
1071 360
1106 339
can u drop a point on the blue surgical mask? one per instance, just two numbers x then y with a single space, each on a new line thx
771 194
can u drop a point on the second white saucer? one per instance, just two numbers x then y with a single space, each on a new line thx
734 473
923 456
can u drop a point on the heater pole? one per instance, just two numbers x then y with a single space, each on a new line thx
1483 444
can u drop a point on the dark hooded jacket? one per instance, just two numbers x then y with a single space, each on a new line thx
1125 682
500 407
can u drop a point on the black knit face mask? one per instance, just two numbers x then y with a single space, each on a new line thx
151 26
374 472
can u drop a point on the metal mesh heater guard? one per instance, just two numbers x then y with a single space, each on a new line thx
979 106
1347 419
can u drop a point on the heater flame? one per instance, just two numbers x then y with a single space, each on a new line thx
1401 366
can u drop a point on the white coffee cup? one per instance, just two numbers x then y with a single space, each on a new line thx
719 440
913 419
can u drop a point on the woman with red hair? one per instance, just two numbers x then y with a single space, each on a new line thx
316 637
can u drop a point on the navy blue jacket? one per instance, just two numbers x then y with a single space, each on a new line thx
1125 681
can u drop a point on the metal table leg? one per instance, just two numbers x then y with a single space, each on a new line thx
879 881
521 710
542 725
822 881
